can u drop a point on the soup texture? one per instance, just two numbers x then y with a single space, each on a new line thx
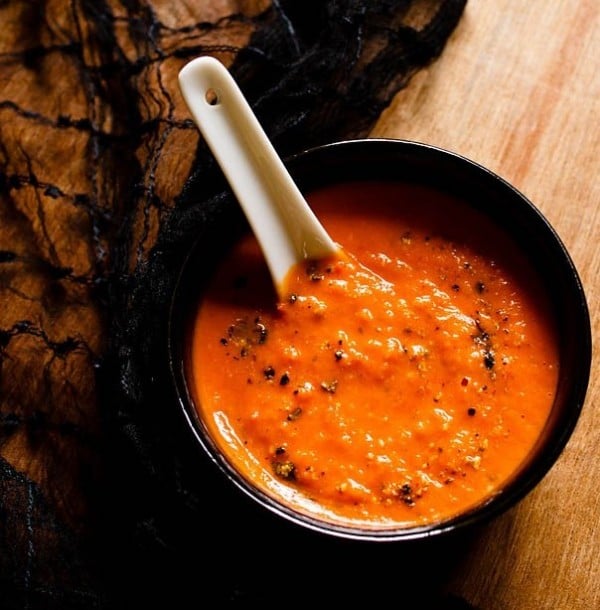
396 386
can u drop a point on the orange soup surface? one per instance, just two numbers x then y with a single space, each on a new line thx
397 386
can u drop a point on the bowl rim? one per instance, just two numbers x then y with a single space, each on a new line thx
529 475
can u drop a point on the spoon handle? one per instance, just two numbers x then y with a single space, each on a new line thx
286 228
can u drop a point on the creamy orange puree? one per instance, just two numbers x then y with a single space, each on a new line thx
400 385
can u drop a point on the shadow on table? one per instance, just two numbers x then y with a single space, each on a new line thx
232 554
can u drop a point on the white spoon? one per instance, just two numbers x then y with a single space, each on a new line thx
286 228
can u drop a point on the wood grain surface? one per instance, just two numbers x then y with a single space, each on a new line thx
517 89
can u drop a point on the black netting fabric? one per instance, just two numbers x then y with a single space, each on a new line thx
105 501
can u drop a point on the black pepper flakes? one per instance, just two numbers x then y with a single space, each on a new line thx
261 331
480 287
245 334
295 414
329 386
471 411
314 273
269 372
284 379
406 495
338 354
483 338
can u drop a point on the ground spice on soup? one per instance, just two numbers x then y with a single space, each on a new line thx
399 385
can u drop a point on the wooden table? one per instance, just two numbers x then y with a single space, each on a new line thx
517 89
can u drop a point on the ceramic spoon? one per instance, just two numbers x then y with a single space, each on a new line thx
286 228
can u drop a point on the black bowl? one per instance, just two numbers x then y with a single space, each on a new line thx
483 190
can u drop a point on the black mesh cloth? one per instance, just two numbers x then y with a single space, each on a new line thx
105 501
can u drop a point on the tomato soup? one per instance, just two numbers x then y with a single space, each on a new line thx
398 385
